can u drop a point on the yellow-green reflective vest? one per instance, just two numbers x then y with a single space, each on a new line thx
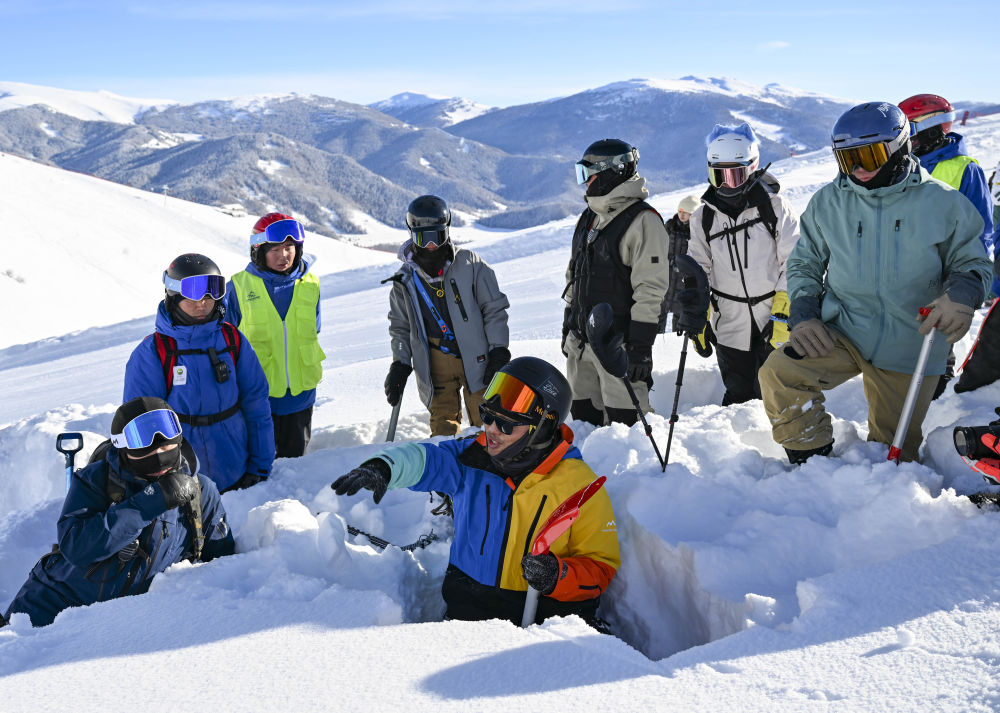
289 351
951 170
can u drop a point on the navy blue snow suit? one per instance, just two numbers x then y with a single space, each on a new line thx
92 530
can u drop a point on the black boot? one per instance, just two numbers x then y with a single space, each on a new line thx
800 457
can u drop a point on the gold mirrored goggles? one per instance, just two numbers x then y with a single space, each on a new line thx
870 157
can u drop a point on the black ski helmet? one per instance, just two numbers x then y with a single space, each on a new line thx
613 161
552 390
187 265
428 213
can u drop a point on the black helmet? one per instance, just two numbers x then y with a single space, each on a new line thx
428 218
190 265
552 393
613 161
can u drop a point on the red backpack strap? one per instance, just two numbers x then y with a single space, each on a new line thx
232 336
166 350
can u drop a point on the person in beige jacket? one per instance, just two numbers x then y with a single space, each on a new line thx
741 236
619 256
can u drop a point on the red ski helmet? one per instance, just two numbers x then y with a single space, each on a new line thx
927 110
259 246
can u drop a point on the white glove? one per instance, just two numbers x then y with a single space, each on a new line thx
952 319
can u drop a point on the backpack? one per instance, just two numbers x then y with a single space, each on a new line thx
765 215
167 351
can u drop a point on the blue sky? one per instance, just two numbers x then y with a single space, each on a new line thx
497 53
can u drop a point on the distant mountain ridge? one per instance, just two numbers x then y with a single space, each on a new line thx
336 164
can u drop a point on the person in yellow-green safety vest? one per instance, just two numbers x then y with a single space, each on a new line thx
275 303
943 154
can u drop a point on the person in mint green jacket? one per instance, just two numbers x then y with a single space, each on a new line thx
275 303
878 243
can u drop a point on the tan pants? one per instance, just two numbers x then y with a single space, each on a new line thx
448 377
589 380
792 390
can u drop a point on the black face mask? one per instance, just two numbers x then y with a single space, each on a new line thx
154 462
432 261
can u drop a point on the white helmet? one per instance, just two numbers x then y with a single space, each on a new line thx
733 154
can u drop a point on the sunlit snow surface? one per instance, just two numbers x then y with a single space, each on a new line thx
845 584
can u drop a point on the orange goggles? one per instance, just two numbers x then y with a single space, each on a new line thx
513 396
870 157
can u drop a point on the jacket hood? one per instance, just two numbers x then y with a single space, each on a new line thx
191 333
915 174
634 189
273 278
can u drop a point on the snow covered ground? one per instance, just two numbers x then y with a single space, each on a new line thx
846 584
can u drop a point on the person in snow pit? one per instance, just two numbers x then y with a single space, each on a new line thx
131 513
505 483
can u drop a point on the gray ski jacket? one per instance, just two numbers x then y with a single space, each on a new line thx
477 310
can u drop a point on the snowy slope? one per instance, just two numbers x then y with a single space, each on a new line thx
846 584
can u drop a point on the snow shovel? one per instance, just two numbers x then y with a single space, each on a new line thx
69 444
607 346
561 519
911 395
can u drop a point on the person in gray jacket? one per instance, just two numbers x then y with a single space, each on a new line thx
447 320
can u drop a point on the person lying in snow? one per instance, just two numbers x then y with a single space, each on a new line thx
127 517
504 484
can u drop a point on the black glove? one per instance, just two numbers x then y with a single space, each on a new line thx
640 362
396 380
178 488
246 481
541 571
495 361
373 475
693 316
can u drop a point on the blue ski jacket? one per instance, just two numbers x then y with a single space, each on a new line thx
973 186
279 289
229 448
85 567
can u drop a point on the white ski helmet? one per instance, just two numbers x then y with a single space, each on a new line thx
733 154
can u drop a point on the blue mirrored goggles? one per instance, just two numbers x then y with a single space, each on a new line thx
429 238
280 231
196 287
141 431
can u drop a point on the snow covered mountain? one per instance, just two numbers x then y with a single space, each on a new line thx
425 111
847 584
340 165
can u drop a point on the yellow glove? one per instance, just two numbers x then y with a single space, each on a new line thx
704 341
779 319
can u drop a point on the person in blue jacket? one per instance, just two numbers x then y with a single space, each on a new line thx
275 302
209 374
127 517
505 484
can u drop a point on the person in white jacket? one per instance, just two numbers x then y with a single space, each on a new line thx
741 235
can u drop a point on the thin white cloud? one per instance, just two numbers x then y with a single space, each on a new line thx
773 46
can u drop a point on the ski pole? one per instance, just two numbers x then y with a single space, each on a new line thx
391 436
911 395
559 521
69 444
677 396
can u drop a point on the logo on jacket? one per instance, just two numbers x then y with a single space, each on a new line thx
251 295
610 526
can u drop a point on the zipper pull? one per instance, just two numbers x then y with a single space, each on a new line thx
859 230
897 225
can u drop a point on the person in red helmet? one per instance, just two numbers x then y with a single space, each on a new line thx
943 154
275 302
